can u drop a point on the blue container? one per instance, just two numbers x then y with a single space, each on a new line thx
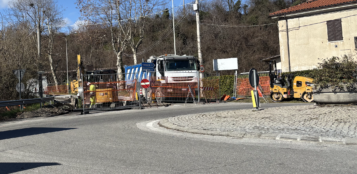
136 72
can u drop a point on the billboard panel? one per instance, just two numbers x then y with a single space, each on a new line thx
225 64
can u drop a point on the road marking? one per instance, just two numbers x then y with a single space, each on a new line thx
150 125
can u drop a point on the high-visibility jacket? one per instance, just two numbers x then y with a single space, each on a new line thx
92 93
92 88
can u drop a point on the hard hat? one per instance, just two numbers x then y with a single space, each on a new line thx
78 94
88 83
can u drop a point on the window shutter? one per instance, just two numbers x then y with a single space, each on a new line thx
338 26
334 30
330 30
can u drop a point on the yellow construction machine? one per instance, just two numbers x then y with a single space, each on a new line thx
104 81
290 87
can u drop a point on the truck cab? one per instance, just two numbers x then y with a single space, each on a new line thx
171 68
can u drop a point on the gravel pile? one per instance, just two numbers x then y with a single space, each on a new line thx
44 112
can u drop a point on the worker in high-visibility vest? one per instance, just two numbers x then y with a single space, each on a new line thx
78 102
92 94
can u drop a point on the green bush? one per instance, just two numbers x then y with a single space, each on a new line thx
226 83
335 71
305 73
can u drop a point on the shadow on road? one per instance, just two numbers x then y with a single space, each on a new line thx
17 167
28 132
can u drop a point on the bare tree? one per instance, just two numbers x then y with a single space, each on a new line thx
17 51
41 14
137 12
53 22
109 12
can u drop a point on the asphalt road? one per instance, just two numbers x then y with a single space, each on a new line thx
111 142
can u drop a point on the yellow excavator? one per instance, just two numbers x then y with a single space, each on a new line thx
298 87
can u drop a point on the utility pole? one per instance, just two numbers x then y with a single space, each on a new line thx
38 20
184 10
38 44
173 25
196 8
67 66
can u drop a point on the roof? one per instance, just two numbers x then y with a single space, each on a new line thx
312 5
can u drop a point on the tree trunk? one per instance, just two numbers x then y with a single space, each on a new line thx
120 75
134 55
53 72
50 45
134 49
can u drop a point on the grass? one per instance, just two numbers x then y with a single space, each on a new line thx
14 111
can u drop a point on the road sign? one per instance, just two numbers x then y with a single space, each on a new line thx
19 73
18 87
145 83
253 81
147 66
202 69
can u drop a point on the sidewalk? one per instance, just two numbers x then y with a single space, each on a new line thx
336 124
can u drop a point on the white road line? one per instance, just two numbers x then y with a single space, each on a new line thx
150 125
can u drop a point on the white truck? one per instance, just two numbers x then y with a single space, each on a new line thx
171 68
169 74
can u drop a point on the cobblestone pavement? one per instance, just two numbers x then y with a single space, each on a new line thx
301 123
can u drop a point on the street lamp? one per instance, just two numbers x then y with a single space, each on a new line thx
38 49
38 36
67 64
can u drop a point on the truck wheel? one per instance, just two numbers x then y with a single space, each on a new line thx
307 97
277 97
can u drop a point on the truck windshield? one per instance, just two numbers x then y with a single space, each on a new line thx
179 65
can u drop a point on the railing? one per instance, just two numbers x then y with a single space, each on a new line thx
25 101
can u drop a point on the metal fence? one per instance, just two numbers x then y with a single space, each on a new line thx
172 87
25 101
105 92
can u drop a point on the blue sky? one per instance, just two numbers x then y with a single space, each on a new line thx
70 13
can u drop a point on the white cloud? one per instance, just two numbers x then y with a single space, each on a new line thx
4 3
65 22
79 24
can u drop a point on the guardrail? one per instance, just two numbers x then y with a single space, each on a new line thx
25 101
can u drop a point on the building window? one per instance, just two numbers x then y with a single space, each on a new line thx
356 43
334 30
298 84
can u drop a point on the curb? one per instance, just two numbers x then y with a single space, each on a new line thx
272 136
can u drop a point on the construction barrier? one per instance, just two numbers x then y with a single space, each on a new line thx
171 92
244 87
110 94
